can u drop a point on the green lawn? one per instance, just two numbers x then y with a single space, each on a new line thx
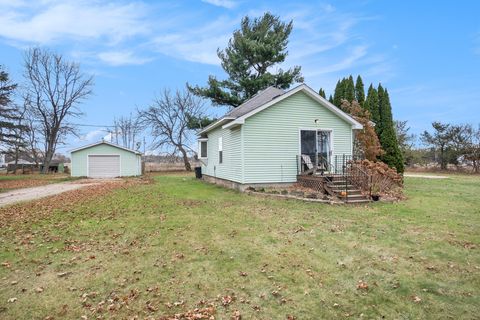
164 248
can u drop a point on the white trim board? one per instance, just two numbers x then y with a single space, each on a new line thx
104 142
310 92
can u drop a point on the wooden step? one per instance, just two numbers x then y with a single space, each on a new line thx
359 201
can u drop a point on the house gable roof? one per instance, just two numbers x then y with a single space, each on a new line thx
255 102
269 97
104 142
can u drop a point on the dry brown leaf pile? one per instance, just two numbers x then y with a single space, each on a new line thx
37 209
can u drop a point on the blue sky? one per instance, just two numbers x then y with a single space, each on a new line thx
426 53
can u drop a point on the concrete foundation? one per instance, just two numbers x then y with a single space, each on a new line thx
242 187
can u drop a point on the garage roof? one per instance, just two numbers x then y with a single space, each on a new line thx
104 142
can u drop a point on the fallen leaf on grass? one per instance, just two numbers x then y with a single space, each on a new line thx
416 299
243 274
196 314
11 300
226 300
362 285
63 274
236 315
36 209
39 290
151 307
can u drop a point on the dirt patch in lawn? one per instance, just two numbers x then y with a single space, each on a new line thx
37 209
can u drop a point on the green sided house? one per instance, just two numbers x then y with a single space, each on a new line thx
105 160
272 137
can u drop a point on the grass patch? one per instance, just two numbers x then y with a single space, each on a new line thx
178 244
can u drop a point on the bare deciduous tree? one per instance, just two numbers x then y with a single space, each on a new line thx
31 137
54 89
168 118
126 131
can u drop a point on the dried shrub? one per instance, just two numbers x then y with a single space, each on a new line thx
383 180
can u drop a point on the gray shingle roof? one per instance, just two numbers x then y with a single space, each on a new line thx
255 102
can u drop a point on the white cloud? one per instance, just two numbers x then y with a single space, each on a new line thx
197 44
346 63
222 3
93 135
324 39
119 58
52 21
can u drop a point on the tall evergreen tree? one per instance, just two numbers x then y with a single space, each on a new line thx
371 104
252 52
338 94
349 94
330 99
9 114
388 138
359 91
321 92
381 102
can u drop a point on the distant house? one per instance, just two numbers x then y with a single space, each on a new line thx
268 138
105 160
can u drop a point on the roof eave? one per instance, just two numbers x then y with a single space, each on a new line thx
214 125
104 142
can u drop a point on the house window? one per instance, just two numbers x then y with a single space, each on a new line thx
202 146
220 150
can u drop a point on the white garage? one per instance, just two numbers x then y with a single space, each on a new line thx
105 160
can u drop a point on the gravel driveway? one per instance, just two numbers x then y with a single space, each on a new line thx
26 194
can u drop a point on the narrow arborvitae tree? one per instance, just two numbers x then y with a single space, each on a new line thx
359 91
330 99
381 102
388 139
339 93
344 90
371 104
252 54
321 92
349 89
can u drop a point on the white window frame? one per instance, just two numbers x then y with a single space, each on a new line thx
220 150
200 141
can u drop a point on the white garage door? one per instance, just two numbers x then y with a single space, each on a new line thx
103 166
